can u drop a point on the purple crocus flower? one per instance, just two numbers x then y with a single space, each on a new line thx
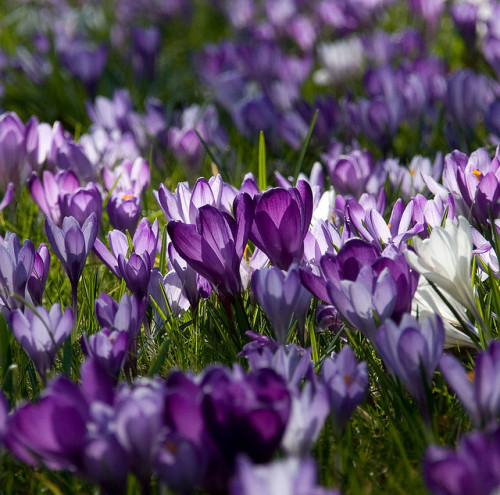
72 245
127 315
214 246
473 469
412 351
282 297
124 210
42 143
46 194
281 222
38 277
12 150
292 476
4 414
16 265
481 397
41 333
135 268
8 196
146 43
245 413
52 431
81 202
346 382
109 348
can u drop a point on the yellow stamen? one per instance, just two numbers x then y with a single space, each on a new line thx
477 173
127 196
412 172
349 380
389 226
471 376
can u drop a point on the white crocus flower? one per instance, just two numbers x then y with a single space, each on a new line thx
426 302
445 260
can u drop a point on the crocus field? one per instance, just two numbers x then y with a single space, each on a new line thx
250 247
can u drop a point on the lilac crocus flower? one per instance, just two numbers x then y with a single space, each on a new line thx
72 245
12 150
16 266
412 351
135 268
127 315
346 382
124 210
473 469
214 246
282 297
281 222
481 397
108 348
8 196
81 202
42 143
41 333
46 194
292 476
38 277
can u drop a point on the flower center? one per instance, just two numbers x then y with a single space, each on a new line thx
127 196
349 380
477 173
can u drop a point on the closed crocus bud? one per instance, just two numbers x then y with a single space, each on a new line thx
146 43
41 333
81 202
38 277
12 150
16 265
72 156
281 222
124 210
282 297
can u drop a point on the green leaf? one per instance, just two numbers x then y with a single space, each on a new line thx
305 145
262 163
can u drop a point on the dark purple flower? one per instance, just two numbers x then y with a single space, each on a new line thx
41 333
473 469
16 265
109 348
245 413
4 414
8 196
51 432
281 222
214 246
346 382
72 244
412 351
38 277
282 297
480 397
146 45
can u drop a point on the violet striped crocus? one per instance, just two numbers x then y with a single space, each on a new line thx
281 222
40 333
72 245
411 351
214 246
